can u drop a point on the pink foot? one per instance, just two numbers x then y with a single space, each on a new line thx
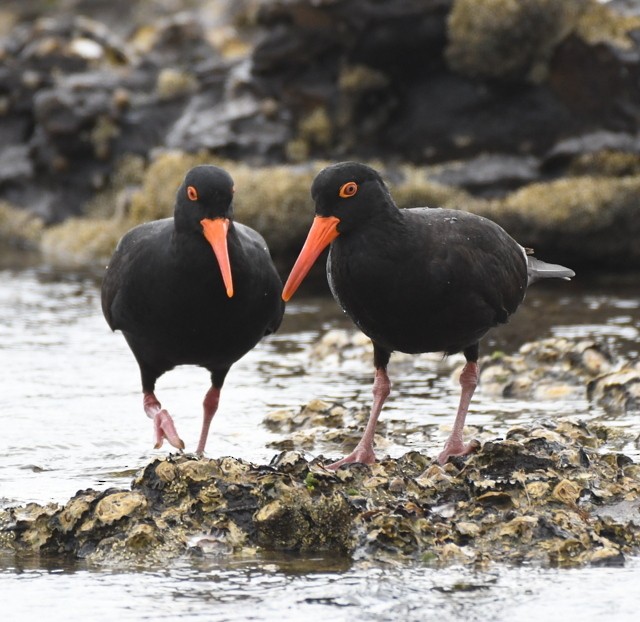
364 455
164 428
163 425
457 448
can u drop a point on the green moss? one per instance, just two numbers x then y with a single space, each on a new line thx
575 204
606 163
156 196
19 227
315 130
82 240
511 39
174 83
357 78
599 24
297 150
415 189
115 198
311 481
103 132
275 200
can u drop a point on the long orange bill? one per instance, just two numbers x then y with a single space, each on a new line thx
324 230
215 230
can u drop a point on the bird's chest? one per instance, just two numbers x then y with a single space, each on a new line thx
371 287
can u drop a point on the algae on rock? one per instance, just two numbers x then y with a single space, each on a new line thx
548 494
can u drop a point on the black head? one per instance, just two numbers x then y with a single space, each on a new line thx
206 192
346 195
350 191
203 206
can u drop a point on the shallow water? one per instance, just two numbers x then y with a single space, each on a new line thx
72 419
320 590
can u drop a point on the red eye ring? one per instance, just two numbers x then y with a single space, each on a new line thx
348 190
192 193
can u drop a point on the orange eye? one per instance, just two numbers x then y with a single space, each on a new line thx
348 190
192 193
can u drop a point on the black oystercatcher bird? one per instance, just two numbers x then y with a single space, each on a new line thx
195 289
413 280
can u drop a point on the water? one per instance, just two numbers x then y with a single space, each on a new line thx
317 591
72 418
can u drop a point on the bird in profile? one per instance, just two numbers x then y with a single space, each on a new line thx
413 280
196 289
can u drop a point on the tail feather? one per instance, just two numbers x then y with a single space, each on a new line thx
537 270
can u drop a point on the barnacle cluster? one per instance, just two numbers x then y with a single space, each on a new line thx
548 493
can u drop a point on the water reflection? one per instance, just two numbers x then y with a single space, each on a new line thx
321 589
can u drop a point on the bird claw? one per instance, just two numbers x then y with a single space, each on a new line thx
360 455
165 429
452 448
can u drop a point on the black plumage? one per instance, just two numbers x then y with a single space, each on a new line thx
195 289
413 280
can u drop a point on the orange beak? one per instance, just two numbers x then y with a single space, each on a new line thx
215 230
324 230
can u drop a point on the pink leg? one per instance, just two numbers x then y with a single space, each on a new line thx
210 406
162 422
454 445
364 449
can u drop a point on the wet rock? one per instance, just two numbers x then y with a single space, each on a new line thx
176 41
566 151
580 68
214 125
481 30
80 97
546 370
488 174
281 83
319 425
15 163
606 204
305 523
346 349
618 391
118 505
529 498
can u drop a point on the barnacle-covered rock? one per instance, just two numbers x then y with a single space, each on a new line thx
550 493
548 369
617 391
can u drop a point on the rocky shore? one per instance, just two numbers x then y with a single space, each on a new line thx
556 492
524 112
547 494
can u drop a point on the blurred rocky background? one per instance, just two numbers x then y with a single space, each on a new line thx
526 112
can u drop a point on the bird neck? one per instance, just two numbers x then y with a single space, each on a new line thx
383 222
